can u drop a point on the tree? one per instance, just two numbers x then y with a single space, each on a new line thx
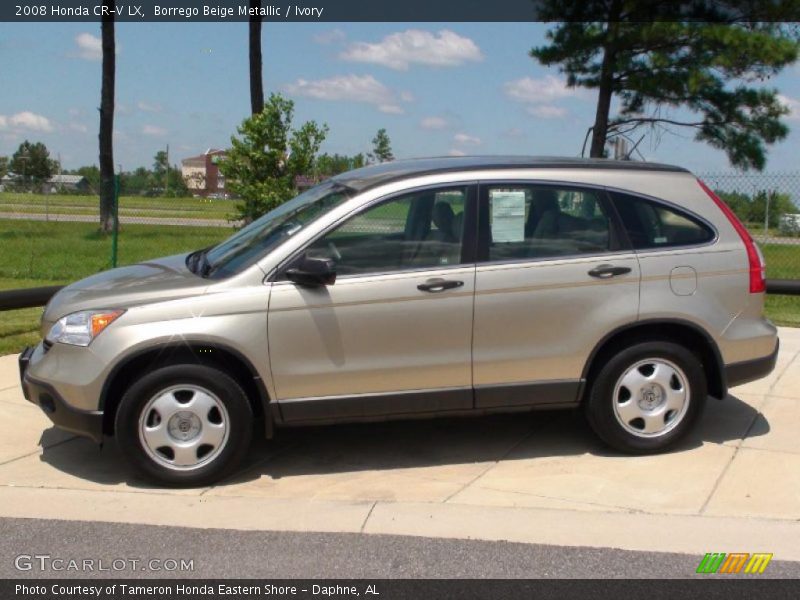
268 155
107 119
706 64
328 165
763 204
3 166
256 84
32 165
381 147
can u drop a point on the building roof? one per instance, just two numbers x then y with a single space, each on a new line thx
66 179
366 177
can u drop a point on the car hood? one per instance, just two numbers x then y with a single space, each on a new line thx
153 281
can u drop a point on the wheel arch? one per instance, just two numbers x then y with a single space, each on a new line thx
679 331
211 354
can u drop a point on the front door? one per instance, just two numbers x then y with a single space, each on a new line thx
393 335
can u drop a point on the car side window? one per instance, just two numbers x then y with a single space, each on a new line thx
413 231
653 225
532 222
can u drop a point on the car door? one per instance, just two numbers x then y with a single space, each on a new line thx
393 334
553 278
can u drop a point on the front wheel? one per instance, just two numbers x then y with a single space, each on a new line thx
184 425
645 398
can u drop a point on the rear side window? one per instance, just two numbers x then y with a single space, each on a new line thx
653 225
529 222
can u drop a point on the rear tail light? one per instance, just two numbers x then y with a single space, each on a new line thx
758 282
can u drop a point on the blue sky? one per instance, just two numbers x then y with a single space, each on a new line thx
438 88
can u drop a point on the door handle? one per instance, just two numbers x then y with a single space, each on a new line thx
608 271
439 285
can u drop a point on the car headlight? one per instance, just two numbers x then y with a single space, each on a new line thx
80 328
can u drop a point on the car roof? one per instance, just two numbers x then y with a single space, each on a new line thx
373 175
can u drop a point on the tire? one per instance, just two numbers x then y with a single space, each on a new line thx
184 425
646 397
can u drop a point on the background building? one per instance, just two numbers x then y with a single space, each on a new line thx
202 176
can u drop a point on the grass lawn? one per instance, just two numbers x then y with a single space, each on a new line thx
190 208
36 253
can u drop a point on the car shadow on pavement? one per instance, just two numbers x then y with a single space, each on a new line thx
385 446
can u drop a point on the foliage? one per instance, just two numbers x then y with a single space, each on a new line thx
32 165
3 166
752 209
656 67
268 155
381 147
328 165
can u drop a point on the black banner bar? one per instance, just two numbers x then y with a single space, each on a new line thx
709 587
385 10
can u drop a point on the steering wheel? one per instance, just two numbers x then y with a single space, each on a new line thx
335 251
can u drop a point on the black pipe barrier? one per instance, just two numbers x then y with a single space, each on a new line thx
39 296
28 297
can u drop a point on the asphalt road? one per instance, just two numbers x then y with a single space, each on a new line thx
282 555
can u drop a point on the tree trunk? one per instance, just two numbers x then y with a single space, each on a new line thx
256 84
107 123
606 84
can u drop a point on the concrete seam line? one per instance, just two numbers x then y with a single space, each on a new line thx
535 427
783 372
11 460
727 466
364 524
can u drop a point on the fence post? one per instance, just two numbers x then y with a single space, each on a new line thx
115 230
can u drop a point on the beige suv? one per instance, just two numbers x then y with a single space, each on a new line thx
452 286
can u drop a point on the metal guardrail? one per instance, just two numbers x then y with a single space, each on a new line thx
27 297
39 296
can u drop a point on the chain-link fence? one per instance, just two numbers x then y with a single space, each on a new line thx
769 205
54 237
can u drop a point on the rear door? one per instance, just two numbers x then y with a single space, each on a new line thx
553 278
393 335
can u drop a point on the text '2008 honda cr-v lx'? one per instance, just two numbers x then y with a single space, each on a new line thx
424 287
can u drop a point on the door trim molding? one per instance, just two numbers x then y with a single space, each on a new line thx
360 406
556 392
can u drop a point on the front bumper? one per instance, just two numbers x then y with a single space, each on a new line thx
750 370
82 422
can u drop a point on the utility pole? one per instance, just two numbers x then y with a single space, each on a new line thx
166 175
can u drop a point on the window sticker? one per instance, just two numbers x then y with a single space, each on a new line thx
508 215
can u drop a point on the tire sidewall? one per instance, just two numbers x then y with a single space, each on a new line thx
600 405
240 423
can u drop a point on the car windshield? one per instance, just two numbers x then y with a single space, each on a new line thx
264 234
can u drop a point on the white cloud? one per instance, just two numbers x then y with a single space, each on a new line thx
330 37
434 123
547 111
147 107
351 88
26 121
78 127
153 130
539 91
456 152
464 139
89 47
514 132
414 46
793 105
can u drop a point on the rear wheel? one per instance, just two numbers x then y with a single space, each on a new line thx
645 398
184 425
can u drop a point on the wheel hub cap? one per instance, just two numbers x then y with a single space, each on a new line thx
184 426
652 396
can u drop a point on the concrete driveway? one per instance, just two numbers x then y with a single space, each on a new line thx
734 485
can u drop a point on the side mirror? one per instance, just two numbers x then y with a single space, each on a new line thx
312 272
